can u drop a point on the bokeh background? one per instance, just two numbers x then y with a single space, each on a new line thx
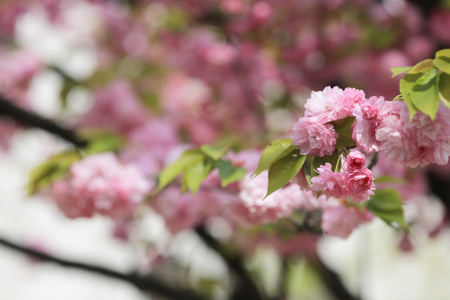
210 68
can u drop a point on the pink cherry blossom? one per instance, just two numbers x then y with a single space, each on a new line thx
355 160
313 137
117 102
368 118
100 184
417 143
322 104
341 220
253 209
328 182
150 144
359 184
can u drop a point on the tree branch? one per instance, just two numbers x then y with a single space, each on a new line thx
246 288
332 281
145 283
30 119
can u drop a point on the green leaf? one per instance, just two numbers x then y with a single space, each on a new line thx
389 179
54 168
101 141
228 173
399 70
387 205
343 129
406 85
214 151
424 94
272 153
444 88
334 159
194 175
412 109
422 67
442 63
443 53
169 173
284 170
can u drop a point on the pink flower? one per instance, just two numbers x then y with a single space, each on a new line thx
182 211
313 137
417 143
322 104
340 221
328 182
368 118
100 184
150 144
117 102
251 209
333 103
359 184
347 101
355 160
353 181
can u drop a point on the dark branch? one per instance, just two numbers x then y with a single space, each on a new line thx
332 282
144 283
246 287
29 119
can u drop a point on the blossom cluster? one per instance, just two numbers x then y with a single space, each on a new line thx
100 184
354 181
379 126
172 75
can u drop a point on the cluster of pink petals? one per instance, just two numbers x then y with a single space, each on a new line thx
100 184
354 180
333 103
313 134
116 107
415 182
340 220
150 144
253 209
184 211
368 116
418 142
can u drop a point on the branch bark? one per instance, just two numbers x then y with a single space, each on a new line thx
29 119
246 288
146 283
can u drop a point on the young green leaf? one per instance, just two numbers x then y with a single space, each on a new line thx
54 168
214 151
422 67
443 53
424 94
101 141
399 70
406 84
343 129
387 205
194 175
228 173
442 63
444 88
272 153
334 159
412 109
284 170
169 173
389 179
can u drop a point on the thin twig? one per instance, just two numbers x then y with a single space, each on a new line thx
26 118
246 287
145 283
